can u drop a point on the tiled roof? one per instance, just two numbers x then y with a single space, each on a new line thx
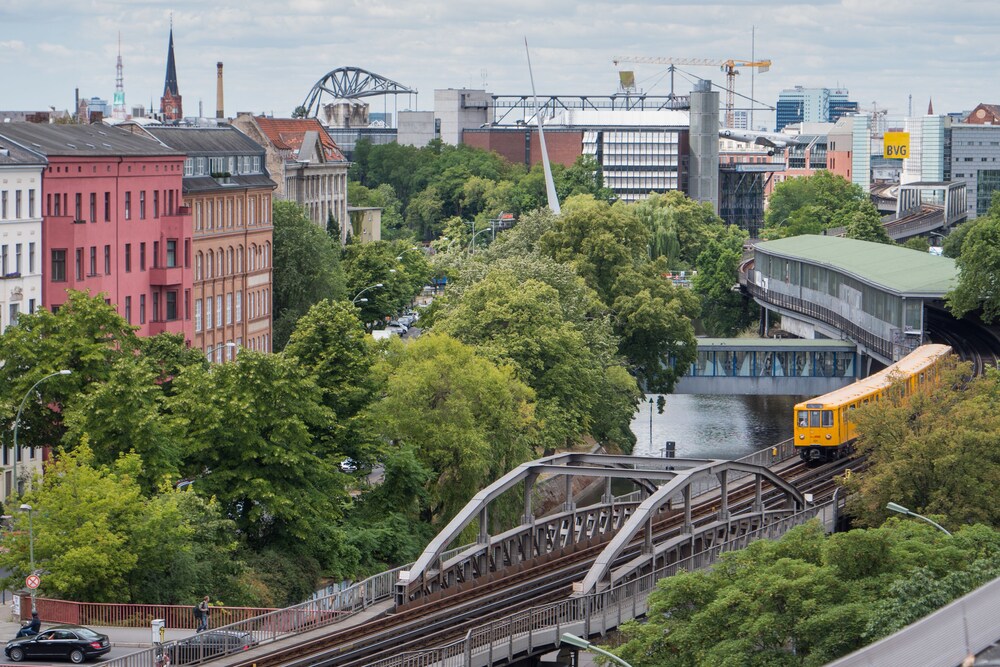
207 141
12 154
287 134
73 140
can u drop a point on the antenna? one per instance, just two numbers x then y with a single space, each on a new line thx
483 73
550 186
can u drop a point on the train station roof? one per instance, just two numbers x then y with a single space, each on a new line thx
893 268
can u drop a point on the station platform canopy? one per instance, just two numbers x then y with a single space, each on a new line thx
894 269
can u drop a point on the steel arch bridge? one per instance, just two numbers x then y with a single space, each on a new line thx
350 83
615 521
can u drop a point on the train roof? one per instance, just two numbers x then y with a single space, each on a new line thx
895 269
915 361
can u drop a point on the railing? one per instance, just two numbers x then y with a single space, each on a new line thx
533 630
133 615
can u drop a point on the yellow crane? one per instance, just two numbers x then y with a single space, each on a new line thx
728 66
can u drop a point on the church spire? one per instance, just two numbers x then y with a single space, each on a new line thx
930 107
170 103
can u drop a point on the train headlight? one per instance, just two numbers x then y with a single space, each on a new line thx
827 436
802 436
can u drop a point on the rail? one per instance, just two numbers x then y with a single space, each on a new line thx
532 631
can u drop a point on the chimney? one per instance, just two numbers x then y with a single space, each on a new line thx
219 113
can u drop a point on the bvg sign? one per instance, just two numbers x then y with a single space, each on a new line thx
896 145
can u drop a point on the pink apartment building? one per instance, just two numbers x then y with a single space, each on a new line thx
113 222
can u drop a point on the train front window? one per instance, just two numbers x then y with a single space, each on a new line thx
827 418
803 418
814 418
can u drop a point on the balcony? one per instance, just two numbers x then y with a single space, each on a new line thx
163 276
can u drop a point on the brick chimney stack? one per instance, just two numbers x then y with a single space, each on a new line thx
219 113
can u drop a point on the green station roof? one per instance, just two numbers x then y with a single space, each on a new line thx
895 269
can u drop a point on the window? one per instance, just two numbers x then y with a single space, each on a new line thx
107 260
142 204
128 205
171 253
3 259
239 306
229 308
199 262
93 207
197 315
208 313
107 207
58 209
128 258
142 309
156 203
59 266
156 307
128 309
189 167
12 312
31 257
3 206
93 260
31 205
79 263
142 256
156 254
31 305
218 310
17 257
17 203
78 207
171 305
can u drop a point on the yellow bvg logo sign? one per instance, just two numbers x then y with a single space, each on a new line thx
896 145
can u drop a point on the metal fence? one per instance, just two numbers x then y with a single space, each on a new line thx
133 615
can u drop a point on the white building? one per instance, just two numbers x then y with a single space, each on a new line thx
20 262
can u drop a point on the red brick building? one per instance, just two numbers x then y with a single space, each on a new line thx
113 222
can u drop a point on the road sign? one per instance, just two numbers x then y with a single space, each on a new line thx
32 581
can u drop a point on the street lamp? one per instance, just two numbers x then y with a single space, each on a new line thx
31 548
17 421
358 295
212 349
399 257
578 642
893 507
472 241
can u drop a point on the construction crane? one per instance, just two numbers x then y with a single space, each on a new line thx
728 66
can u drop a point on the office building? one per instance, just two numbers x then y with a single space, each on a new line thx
811 105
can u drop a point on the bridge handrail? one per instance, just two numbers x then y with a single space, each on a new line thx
625 601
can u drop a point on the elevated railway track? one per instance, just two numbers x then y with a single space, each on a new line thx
408 636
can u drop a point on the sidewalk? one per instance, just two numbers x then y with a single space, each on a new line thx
121 637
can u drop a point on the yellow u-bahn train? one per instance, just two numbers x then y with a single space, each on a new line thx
824 429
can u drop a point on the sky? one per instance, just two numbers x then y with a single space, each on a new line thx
274 51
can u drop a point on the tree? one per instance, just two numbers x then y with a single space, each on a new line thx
330 342
466 420
101 540
934 453
826 192
864 223
250 426
806 599
86 337
679 227
400 272
306 268
978 268
724 308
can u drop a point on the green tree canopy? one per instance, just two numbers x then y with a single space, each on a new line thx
466 421
978 268
809 204
306 268
724 309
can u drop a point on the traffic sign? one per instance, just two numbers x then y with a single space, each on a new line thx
32 581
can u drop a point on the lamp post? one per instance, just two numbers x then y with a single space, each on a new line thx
31 548
650 425
893 507
358 295
212 349
472 241
17 422
579 642
399 257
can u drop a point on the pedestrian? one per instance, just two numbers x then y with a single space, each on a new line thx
203 615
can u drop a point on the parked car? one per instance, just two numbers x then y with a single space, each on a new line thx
63 642
406 320
349 465
396 328
206 645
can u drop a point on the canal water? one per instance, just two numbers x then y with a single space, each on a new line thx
718 427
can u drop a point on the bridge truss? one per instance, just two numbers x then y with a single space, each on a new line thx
350 83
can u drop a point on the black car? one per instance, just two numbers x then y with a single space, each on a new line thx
206 645
63 642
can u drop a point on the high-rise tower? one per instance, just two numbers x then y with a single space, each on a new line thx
170 103
118 108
